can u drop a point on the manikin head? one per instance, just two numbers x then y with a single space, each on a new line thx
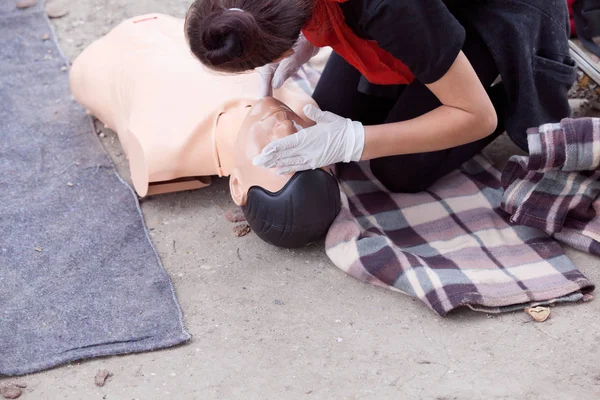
285 210
131 79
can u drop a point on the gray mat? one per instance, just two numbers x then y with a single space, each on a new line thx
79 276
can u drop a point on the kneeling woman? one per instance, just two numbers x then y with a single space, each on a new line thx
416 86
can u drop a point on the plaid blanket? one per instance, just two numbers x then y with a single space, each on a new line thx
557 187
451 246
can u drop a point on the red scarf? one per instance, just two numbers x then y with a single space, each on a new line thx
327 27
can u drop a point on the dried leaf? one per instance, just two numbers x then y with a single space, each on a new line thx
10 391
587 297
241 230
26 3
56 9
540 314
584 82
235 216
101 377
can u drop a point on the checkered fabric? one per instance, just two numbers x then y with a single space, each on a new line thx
557 187
451 246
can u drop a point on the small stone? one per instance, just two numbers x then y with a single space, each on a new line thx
38 249
241 230
235 216
101 377
338 340
22 4
10 391
45 36
539 314
55 9
69 184
63 69
102 135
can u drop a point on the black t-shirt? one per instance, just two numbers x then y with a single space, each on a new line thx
423 34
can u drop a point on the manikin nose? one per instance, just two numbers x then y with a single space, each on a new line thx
285 125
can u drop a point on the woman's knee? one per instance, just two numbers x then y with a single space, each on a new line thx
412 173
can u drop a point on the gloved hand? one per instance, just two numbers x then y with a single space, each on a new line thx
275 74
266 86
303 52
333 139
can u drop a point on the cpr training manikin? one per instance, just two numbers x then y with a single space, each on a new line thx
179 124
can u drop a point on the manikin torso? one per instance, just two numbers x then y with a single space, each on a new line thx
174 118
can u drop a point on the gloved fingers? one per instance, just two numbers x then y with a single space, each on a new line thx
312 112
287 161
297 126
268 70
264 159
285 143
273 150
266 89
266 73
293 168
285 70
304 46
281 158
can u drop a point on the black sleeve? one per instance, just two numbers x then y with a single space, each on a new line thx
423 34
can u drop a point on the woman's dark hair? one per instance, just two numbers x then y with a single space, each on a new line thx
236 41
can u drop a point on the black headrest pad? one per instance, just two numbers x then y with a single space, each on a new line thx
298 214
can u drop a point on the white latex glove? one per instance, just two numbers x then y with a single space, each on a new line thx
333 139
266 73
275 74
303 52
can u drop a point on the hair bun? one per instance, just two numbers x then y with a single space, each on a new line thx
227 36
232 41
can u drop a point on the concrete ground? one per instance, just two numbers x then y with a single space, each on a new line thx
278 324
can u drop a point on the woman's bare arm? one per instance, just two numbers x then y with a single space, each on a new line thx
466 115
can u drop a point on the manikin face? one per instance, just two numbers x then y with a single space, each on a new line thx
268 120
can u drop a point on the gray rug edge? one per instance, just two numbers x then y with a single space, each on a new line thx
186 336
114 349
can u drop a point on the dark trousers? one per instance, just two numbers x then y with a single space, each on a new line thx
337 92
